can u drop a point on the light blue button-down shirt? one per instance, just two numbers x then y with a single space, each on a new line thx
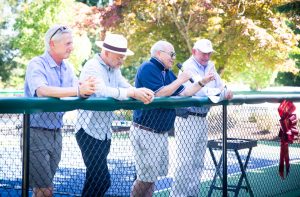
111 83
43 71
198 71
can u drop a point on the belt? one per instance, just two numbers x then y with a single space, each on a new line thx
144 128
197 114
45 129
151 130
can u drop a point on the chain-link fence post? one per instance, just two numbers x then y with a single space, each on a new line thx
224 149
25 155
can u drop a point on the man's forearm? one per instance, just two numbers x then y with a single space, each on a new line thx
57 92
191 90
169 89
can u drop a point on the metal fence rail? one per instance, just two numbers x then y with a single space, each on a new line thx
247 117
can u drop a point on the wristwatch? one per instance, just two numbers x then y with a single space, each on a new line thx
201 84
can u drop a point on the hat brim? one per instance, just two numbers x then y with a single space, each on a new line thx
207 50
127 53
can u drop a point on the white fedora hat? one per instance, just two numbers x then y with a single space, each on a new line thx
204 46
115 43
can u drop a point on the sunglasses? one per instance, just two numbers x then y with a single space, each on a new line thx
171 54
63 28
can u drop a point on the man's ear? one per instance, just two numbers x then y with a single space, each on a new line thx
194 51
51 43
157 54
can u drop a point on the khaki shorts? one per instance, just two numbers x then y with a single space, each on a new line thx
150 151
44 156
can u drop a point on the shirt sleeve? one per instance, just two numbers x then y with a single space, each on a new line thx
181 87
211 88
91 68
36 76
149 78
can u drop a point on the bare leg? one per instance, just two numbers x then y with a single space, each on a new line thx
42 192
142 189
150 191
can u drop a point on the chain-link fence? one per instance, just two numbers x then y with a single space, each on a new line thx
181 154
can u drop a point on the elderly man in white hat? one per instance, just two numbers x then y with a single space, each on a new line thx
94 130
191 137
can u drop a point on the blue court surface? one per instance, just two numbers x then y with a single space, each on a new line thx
71 173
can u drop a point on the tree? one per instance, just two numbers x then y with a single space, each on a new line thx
99 3
36 17
252 42
292 10
7 65
251 39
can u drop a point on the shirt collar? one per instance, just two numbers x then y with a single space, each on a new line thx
203 67
158 63
99 58
51 61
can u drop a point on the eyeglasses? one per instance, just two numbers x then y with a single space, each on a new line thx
171 54
63 28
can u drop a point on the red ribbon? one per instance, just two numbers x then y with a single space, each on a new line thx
288 132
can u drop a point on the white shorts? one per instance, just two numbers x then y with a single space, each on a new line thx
150 151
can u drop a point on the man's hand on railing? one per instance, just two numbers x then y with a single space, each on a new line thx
143 94
228 94
87 87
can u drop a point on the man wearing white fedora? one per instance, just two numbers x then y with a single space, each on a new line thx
94 131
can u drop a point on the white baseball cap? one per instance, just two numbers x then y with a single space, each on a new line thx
115 43
204 45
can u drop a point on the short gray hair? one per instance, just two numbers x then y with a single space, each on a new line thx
55 33
159 45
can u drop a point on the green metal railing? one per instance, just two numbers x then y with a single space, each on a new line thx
27 106
32 105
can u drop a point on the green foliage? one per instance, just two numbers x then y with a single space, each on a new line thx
288 79
36 17
129 72
7 65
292 10
95 2
251 41
33 21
